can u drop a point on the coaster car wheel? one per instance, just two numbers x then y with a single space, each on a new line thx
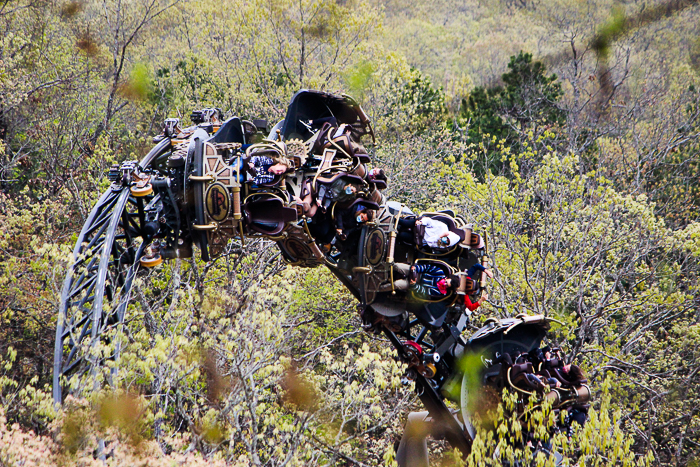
412 352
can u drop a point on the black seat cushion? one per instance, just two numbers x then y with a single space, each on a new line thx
268 216
230 132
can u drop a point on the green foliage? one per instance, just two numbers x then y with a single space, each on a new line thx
673 180
358 78
420 94
603 262
138 85
404 100
526 107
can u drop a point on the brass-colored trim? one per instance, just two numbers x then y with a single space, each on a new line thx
306 227
339 148
452 269
140 192
555 320
240 229
492 319
439 254
521 317
202 178
332 167
212 226
269 190
316 251
238 170
514 386
364 269
276 238
236 191
392 246
485 263
272 195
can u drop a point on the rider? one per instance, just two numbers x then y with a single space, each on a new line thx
437 234
349 220
265 169
427 281
479 267
342 191
472 306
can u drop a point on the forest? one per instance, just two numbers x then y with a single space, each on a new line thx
568 130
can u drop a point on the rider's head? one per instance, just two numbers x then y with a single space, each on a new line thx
364 215
573 373
277 169
449 240
280 166
453 281
350 189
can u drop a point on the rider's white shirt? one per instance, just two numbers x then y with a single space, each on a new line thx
433 231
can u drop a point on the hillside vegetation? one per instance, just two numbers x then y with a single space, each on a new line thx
579 157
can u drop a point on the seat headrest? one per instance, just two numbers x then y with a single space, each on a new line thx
466 235
476 241
521 368
270 210
466 285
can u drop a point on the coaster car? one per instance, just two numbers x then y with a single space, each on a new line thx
336 123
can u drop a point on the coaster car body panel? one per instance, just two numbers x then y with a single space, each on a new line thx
497 337
309 110
230 132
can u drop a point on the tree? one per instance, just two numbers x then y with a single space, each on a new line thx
518 113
